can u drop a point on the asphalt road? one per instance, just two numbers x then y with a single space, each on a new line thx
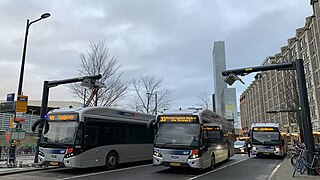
239 167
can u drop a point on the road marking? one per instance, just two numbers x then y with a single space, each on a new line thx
104 172
274 171
195 177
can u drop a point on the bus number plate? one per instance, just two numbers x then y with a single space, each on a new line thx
175 164
54 163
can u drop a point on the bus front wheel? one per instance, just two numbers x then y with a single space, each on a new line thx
112 160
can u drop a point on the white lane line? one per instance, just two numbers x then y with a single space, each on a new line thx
105 172
195 177
274 171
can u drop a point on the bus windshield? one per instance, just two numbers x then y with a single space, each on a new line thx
268 138
182 134
61 132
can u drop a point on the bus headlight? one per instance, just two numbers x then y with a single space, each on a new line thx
69 152
41 154
157 154
194 156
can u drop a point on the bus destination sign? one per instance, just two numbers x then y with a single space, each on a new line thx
211 128
266 129
63 117
178 119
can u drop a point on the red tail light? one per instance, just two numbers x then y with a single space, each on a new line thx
69 150
194 151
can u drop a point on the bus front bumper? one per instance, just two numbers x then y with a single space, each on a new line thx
193 163
259 151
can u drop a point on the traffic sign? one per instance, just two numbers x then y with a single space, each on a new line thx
22 103
7 106
10 97
17 134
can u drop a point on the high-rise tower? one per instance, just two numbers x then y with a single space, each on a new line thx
224 98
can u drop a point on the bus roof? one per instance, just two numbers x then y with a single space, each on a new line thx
218 119
102 111
265 125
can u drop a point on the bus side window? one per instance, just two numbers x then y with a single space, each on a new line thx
78 137
91 137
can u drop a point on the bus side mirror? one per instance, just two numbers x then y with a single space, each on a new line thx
151 124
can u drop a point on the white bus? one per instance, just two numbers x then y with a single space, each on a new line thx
192 138
95 136
266 139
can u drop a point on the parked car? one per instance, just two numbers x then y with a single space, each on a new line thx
240 147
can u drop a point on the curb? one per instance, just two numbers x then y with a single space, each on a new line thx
24 169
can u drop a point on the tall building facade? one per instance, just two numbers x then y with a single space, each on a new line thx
277 90
224 99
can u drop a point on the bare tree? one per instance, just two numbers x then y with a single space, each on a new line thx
98 60
152 95
205 99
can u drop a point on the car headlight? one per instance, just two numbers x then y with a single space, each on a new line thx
254 148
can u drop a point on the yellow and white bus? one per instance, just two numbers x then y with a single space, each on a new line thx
95 136
192 138
266 139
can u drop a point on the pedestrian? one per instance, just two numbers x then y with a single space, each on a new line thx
249 147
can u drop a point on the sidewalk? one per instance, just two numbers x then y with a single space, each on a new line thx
24 163
285 170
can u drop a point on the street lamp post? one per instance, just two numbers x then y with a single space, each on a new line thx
12 151
43 16
156 103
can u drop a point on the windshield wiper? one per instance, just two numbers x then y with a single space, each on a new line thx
161 145
65 139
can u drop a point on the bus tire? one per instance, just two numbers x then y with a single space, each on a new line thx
213 162
112 160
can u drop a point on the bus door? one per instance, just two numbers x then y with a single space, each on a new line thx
213 141
90 156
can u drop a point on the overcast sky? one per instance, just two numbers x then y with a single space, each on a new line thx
172 39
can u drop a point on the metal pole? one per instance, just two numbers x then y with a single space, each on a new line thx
23 58
43 112
305 113
156 102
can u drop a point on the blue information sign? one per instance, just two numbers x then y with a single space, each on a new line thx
10 97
